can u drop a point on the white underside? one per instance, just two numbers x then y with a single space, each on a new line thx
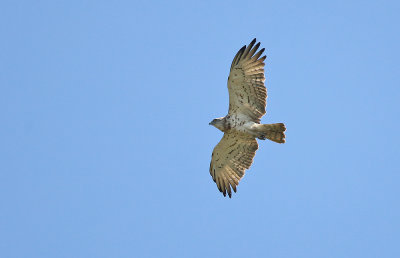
248 127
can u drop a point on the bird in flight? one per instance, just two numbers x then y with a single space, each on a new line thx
241 126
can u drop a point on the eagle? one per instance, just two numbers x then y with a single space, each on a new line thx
241 126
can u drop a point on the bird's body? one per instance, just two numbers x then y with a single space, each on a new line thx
241 126
237 123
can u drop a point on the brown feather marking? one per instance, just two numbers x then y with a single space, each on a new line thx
237 151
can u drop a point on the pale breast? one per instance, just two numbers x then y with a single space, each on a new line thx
240 123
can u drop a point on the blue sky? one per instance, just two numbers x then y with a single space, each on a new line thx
105 142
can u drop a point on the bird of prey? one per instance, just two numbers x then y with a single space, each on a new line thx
241 126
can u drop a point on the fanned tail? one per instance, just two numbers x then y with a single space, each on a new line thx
273 132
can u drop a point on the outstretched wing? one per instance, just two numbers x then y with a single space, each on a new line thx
247 93
230 158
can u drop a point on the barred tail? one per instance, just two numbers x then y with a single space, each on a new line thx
273 132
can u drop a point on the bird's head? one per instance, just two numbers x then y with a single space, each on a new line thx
218 123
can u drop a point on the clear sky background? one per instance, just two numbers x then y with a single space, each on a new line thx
105 143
